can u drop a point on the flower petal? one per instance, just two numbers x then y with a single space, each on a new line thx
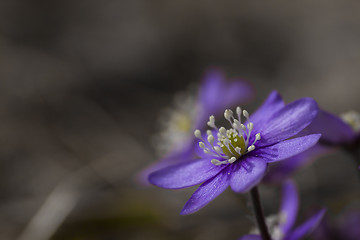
288 121
289 206
247 173
333 129
272 104
250 237
307 227
287 148
172 159
207 192
283 169
185 174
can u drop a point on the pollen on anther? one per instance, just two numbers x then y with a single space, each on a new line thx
252 147
228 114
211 139
245 113
197 133
232 160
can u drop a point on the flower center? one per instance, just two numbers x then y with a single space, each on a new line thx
353 119
231 143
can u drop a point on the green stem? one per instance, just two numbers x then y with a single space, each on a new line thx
260 219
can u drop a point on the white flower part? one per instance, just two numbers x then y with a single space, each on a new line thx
229 144
273 224
197 134
176 122
211 122
353 119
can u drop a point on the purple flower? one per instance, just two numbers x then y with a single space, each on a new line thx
214 95
281 226
335 132
238 156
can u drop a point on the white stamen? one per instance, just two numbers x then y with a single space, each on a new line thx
238 150
232 160
197 134
238 111
252 147
222 131
226 142
202 145
218 149
216 162
250 126
211 122
246 114
257 138
211 139
228 114
209 132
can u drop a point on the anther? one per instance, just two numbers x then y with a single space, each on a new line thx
232 160
216 162
222 131
228 114
197 134
211 139
218 149
211 122
202 145
250 126
238 110
252 147
257 138
246 114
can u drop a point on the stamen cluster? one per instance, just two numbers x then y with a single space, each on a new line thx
231 143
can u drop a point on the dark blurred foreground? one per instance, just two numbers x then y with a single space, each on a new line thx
83 83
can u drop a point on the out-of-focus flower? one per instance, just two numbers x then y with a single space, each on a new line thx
281 226
176 141
336 132
238 156
345 227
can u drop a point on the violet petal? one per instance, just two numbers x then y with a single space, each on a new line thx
216 94
272 104
288 121
283 169
247 173
333 129
289 206
307 227
207 192
287 148
185 174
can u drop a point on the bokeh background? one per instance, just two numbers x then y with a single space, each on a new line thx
82 85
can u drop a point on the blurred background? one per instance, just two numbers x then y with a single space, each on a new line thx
82 84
